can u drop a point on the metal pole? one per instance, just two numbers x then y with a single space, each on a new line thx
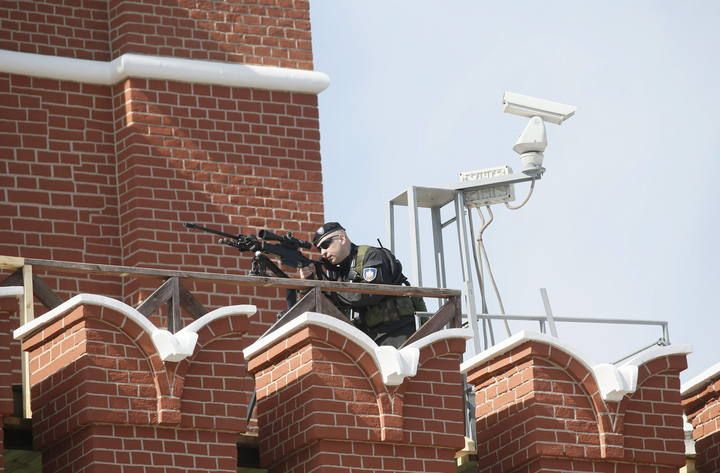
438 245
548 312
414 232
467 272
390 225
666 333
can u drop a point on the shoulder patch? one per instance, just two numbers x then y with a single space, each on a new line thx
369 274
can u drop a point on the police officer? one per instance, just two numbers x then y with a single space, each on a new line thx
387 320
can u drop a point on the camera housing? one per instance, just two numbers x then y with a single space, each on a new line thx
531 145
526 106
533 140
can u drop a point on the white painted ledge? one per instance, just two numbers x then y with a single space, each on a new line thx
170 347
394 365
698 382
11 291
163 68
614 381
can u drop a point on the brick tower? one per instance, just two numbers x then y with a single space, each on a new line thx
119 121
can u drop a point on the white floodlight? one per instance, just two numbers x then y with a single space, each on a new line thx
533 140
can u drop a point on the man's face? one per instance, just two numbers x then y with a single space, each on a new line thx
335 247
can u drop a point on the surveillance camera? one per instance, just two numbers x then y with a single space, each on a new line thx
526 106
531 145
533 137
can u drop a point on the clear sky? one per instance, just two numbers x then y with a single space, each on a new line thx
625 221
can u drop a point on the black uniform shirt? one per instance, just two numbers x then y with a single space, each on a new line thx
386 270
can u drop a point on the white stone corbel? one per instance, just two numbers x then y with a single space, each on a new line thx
170 347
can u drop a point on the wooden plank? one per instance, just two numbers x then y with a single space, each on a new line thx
449 313
313 301
261 281
174 321
325 306
456 322
27 313
156 299
191 305
44 294
15 279
11 262
306 304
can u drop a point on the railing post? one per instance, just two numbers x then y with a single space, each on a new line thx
666 333
548 312
27 313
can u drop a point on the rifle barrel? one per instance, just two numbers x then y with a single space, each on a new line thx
210 230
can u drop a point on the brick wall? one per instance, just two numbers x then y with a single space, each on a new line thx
68 28
540 409
273 33
241 158
238 159
129 448
59 192
702 407
103 396
653 425
216 387
322 406
9 363
108 174
9 353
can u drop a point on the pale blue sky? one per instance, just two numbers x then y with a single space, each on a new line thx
625 221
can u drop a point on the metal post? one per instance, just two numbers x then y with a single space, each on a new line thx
548 312
438 246
390 225
466 260
414 232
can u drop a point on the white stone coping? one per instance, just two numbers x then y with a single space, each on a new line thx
164 68
614 381
394 365
170 347
697 382
11 291
689 442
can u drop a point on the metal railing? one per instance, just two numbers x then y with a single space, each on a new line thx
172 293
543 322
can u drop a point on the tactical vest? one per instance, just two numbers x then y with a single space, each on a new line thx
390 308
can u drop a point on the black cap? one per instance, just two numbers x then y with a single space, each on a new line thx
328 227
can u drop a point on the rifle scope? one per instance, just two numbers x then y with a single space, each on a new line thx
286 239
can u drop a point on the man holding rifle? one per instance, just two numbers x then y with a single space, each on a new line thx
387 320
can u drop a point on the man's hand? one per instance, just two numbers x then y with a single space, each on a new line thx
307 272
